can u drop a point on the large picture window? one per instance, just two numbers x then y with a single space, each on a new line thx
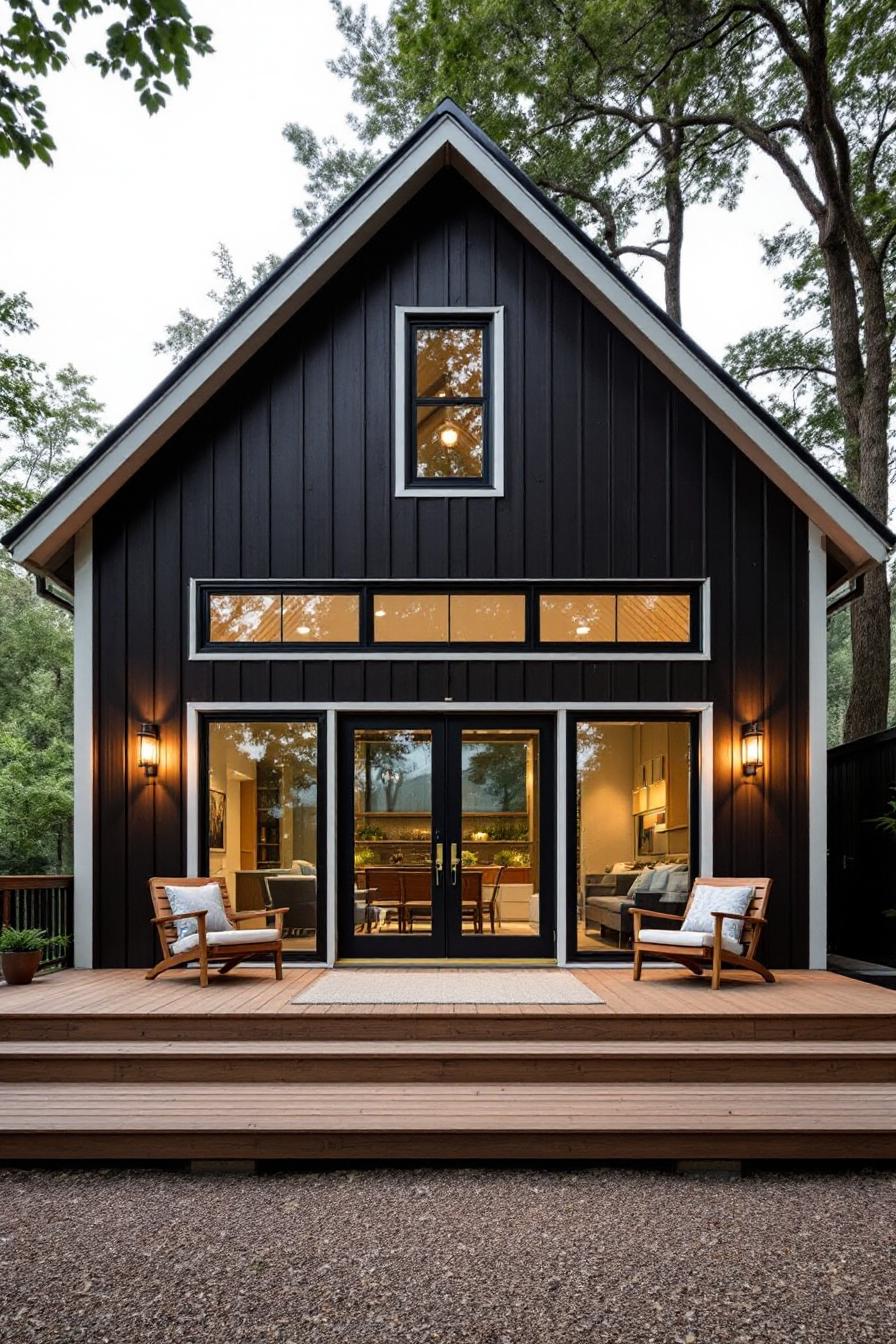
263 828
632 818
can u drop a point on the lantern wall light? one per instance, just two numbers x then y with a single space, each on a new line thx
752 754
148 749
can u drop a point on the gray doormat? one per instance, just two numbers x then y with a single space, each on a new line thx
447 986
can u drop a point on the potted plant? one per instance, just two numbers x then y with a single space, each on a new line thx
21 951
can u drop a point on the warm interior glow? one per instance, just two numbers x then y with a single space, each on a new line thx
449 436
632 809
261 807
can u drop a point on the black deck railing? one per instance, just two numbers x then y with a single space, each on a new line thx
41 901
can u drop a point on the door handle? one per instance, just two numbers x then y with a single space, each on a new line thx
455 864
439 861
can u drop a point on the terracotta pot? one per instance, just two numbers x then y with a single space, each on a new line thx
19 968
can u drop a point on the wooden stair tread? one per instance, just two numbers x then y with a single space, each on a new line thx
231 1049
130 1108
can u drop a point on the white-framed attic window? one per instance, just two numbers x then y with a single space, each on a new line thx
449 402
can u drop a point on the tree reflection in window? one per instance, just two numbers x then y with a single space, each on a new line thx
449 402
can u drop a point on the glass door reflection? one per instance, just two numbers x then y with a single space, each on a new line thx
399 851
500 829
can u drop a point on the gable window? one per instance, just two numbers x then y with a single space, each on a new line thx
448 395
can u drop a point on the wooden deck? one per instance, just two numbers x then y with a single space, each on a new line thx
103 1064
251 1005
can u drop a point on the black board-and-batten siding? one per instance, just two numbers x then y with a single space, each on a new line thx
288 473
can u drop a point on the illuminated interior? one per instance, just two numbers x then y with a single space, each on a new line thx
449 400
262 820
495 859
633 826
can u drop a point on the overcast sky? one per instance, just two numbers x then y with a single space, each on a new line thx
113 239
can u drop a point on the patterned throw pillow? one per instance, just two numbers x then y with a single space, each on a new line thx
731 900
641 882
676 887
208 898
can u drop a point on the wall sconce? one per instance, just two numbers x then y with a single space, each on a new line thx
751 747
148 745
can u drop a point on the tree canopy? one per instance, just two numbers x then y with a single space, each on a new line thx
148 41
627 112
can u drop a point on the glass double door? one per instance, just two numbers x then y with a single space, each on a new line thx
446 826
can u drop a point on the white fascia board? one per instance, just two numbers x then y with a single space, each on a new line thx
447 141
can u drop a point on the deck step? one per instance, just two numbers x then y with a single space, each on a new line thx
396 1024
74 1121
544 1062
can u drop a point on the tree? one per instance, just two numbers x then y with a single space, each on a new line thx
152 39
500 769
46 419
529 71
36 777
45 422
190 328
807 83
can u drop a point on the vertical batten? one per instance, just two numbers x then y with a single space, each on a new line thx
817 764
83 748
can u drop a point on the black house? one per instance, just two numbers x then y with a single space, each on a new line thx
451 597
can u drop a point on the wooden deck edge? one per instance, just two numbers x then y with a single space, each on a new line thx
454 1026
680 1068
537 1146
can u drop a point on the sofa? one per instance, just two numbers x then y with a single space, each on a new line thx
610 898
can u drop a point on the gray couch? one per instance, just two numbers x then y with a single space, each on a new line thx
610 899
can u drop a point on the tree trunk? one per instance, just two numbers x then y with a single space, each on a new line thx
870 625
862 383
674 201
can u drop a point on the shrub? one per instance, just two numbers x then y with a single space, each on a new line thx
28 940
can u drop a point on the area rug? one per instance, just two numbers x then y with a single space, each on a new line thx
447 986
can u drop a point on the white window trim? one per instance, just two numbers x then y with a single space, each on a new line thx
496 383
197 709
452 653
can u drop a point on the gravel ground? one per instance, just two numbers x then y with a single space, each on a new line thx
491 1256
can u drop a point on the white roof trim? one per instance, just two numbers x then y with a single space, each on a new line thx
446 140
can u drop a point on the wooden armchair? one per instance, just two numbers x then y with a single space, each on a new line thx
707 950
231 948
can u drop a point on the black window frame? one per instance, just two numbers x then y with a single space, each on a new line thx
319 718
573 719
530 589
413 480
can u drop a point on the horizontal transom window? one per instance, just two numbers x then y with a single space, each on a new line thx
615 618
635 616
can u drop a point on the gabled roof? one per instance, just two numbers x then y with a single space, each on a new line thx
447 137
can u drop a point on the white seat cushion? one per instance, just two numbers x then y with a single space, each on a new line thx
679 938
229 938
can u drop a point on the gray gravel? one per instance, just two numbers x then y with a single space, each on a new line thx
495 1256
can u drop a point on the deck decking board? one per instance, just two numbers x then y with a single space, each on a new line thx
449 1120
447 1061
